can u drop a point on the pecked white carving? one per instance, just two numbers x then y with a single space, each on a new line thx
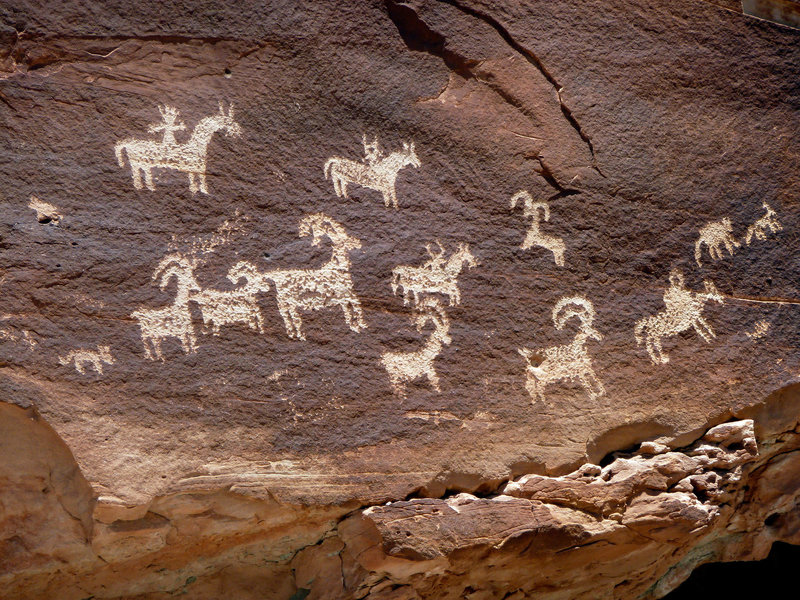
82 359
158 324
715 235
377 172
405 367
312 289
44 211
570 361
534 237
189 157
769 222
684 309
435 276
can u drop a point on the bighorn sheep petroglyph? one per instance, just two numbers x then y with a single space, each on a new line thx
82 359
537 210
570 361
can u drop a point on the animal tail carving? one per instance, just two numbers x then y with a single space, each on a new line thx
118 151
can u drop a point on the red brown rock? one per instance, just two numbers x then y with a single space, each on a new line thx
212 384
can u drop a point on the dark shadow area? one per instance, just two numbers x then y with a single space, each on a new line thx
739 580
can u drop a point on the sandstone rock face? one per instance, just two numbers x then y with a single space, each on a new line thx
388 300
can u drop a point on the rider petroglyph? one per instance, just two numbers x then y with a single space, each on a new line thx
684 310
189 157
768 223
377 171
82 359
435 276
569 361
715 235
535 237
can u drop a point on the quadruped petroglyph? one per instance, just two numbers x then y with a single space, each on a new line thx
768 223
189 157
82 359
435 276
684 309
405 367
312 289
570 361
175 320
377 171
536 211
715 235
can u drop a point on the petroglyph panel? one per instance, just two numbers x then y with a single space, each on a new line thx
143 155
377 171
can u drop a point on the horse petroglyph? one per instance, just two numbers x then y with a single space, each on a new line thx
312 289
570 361
82 359
537 211
376 172
714 235
684 309
189 157
435 276
769 222
405 367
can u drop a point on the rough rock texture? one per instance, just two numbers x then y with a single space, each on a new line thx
212 383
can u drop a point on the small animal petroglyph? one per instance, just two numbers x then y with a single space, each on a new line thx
405 367
684 309
376 172
537 210
82 359
760 329
312 289
45 212
435 276
26 337
229 307
714 235
570 361
189 157
769 222
158 324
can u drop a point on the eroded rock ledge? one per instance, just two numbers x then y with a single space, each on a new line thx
634 528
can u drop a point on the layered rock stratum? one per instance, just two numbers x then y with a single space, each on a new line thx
395 300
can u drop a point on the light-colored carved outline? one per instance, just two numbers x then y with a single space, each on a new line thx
684 310
377 172
190 157
435 276
82 358
769 222
534 237
715 235
312 289
405 367
569 361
